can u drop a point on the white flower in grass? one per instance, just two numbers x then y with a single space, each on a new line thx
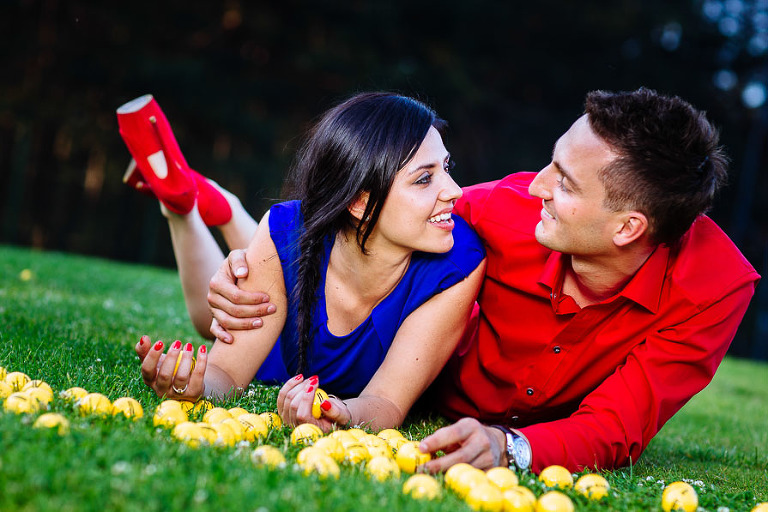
150 469
200 496
120 467
650 479
723 509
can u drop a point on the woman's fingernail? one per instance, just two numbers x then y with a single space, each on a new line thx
188 347
176 345
271 309
240 271
299 377
203 349
257 323
326 405
159 346
310 389
313 378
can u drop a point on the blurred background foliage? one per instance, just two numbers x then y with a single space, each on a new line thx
240 82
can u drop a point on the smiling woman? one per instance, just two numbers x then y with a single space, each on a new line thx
372 277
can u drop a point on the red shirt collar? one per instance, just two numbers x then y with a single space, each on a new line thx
644 288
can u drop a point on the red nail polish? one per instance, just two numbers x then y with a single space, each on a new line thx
176 345
143 339
310 389
298 377
203 349
326 405
188 347
159 346
313 378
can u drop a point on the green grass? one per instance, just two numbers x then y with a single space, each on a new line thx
74 323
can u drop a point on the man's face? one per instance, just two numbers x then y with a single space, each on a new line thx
573 218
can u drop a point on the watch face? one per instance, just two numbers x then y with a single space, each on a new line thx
522 453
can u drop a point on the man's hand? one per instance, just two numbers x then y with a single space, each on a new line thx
233 308
468 441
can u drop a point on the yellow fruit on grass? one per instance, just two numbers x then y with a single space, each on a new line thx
422 487
452 474
94 404
357 433
320 397
128 407
484 496
356 454
369 440
679 496
305 434
272 419
344 437
53 420
331 446
225 436
268 456
42 395
237 411
382 468
189 433
169 416
321 464
556 476
5 389
554 501
210 435
3 373
17 380
503 478
198 408
409 457
760 507
216 415
594 487
390 433
396 442
518 499
21 403
37 383
381 451
467 480
73 394
255 426
237 428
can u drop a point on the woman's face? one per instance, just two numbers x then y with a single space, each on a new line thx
416 215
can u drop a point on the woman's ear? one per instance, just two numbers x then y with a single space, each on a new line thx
357 207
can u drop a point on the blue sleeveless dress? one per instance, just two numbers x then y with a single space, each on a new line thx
345 364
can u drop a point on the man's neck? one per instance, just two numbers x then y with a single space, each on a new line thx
590 280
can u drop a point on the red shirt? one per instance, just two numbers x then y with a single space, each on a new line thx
589 387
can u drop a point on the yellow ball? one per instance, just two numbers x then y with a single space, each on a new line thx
556 476
128 407
26 274
73 394
554 501
255 426
322 465
679 496
272 419
169 416
503 478
5 389
422 487
468 480
409 457
94 404
484 496
17 380
320 397
237 411
21 403
42 395
518 499
306 434
268 456
382 468
356 454
189 433
760 507
330 446
594 487
53 420
216 415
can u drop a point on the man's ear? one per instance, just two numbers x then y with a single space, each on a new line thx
633 226
357 207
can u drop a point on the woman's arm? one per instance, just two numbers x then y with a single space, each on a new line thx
421 347
233 366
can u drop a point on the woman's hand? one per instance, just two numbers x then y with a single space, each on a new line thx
159 370
294 405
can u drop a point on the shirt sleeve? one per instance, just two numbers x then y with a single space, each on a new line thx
615 422
471 202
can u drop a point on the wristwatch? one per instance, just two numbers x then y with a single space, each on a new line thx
518 449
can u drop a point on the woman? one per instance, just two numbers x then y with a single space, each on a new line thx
372 293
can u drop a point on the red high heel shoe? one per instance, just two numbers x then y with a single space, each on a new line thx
149 138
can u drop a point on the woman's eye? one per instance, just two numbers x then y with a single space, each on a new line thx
424 179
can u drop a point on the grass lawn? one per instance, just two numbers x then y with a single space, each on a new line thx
73 321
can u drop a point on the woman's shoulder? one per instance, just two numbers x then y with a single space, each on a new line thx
285 216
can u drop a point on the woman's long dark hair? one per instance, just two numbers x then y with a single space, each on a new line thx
357 146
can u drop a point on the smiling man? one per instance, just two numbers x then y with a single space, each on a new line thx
603 310
609 298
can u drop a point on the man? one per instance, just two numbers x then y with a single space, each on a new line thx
603 310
